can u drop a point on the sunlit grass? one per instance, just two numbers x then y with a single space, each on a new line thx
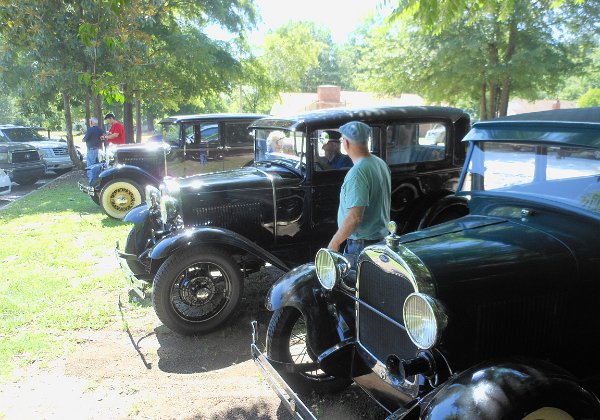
58 273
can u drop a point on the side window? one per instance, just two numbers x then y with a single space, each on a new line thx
415 142
237 134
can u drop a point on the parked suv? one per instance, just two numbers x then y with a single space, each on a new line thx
5 183
20 161
198 236
490 316
54 152
187 145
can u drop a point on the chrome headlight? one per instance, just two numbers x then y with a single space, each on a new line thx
424 319
169 199
330 266
47 153
152 195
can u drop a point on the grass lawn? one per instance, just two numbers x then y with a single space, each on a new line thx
58 272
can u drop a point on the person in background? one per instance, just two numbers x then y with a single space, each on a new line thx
275 142
93 143
365 197
332 148
117 131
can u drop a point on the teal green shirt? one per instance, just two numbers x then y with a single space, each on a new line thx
367 184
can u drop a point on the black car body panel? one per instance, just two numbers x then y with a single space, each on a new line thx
282 207
491 315
179 151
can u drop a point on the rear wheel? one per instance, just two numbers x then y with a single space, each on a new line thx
446 209
286 342
119 196
196 291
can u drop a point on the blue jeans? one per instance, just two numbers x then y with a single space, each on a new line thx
91 157
354 247
92 166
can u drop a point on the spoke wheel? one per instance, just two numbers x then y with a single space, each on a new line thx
120 196
196 291
287 342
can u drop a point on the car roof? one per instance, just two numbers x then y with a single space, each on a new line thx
175 119
574 127
335 117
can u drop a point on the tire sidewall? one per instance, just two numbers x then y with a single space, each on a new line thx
110 188
277 348
172 268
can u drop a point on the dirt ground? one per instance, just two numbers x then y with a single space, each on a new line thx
137 368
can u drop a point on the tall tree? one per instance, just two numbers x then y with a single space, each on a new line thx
485 56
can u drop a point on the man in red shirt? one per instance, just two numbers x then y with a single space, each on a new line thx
117 131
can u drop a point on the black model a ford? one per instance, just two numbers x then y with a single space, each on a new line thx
198 236
489 316
190 144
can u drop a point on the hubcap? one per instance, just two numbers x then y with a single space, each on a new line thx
122 199
200 292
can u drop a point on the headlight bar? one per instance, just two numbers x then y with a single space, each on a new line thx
330 267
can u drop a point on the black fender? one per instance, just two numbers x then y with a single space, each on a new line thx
328 335
131 172
142 228
509 389
205 235
138 214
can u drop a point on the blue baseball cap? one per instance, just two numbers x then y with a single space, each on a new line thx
356 131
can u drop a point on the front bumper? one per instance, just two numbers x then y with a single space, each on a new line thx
62 163
91 191
139 285
288 397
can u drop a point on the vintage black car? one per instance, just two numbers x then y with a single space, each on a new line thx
188 145
198 236
489 316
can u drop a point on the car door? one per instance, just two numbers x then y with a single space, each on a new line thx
237 144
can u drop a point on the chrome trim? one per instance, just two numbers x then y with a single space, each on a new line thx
272 179
439 315
288 397
402 262
407 387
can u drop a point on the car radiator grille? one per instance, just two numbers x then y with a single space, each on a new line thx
25 156
383 293
242 218
60 151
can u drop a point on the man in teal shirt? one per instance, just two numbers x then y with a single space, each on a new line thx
365 197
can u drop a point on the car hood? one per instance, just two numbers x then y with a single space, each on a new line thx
477 253
47 144
248 178
12 147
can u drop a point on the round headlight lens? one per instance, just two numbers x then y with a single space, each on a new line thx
326 268
424 320
152 195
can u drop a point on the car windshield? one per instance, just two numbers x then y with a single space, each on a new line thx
568 175
287 148
23 134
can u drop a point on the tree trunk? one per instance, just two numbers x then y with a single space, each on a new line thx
69 127
150 120
508 55
482 103
88 114
98 111
138 122
504 95
127 115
